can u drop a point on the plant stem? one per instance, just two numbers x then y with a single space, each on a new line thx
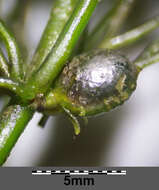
110 24
60 13
15 118
13 52
12 123
132 35
40 81
4 70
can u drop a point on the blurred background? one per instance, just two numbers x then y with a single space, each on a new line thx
126 136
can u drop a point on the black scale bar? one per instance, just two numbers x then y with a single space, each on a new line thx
79 172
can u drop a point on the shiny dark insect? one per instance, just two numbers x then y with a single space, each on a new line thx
92 83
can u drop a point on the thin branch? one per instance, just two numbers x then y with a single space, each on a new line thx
4 70
110 24
60 13
132 35
13 52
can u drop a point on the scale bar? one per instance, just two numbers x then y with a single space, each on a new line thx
79 172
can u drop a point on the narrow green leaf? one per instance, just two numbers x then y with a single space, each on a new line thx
132 35
10 85
149 56
60 13
147 62
110 23
13 52
12 123
4 70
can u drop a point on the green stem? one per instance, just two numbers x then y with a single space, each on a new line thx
13 52
60 13
15 118
132 35
12 123
4 70
40 81
110 24
10 85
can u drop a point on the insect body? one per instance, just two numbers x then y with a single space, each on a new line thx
93 83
